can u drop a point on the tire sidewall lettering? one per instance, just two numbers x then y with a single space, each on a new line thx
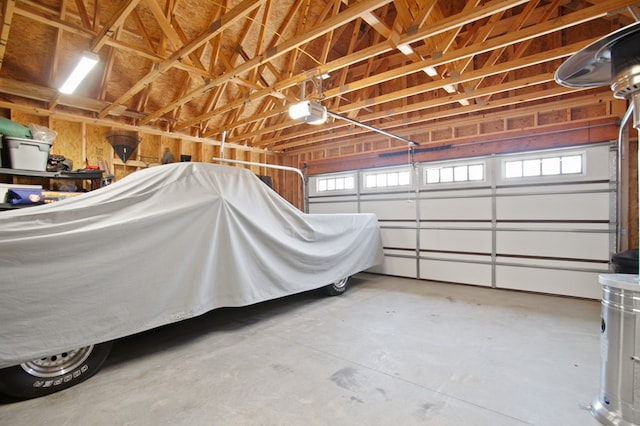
75 374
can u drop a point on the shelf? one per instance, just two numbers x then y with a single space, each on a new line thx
89 174
9 206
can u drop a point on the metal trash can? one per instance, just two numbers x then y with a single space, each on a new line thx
618 401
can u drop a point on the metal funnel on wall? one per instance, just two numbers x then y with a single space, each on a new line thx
124 143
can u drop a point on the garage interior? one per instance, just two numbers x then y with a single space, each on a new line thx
486 308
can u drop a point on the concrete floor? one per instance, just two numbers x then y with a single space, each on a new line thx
391 351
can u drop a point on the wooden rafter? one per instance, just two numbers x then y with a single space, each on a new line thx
439 102
84 16
238 12
8 8
427 125
379 49
54 60
283 48
392 63
383 47
497 42
114 23
522 47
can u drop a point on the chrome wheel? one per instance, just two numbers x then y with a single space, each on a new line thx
55 365
341 284
338 287
52 373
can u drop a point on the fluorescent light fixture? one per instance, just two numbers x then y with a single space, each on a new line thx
431 71
87 62
308 112
449 88
405 48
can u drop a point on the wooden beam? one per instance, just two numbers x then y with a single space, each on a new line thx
84 16
362 54
430 104
8 8
108 123
288 45
217 27
425 123
114 23
501 68
551 136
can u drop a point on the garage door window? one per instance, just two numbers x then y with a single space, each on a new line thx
388 179
450 174
544 166
337 183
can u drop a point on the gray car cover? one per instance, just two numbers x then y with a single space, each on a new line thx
161 245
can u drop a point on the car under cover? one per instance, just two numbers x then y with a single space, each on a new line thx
161 245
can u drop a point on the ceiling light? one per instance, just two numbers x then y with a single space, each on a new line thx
405 48
87 62
431 71
308 112
449 88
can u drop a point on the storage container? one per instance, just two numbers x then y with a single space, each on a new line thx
27 154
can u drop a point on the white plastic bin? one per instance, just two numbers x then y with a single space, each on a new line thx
27 154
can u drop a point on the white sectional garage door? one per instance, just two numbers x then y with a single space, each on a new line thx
538 221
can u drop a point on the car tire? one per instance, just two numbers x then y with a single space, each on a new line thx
339 287
53 373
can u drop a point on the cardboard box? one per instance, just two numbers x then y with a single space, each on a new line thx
4 187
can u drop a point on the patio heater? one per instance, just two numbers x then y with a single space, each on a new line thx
615 60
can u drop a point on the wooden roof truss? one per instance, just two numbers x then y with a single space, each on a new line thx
201 67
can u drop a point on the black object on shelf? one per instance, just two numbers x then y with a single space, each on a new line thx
75 174
625 262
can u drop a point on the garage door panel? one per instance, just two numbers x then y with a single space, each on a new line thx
568 207
545 230
342 207
456 240
548 263
456 209
571 245
399 238
390 210
397 266
554 281
455 272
